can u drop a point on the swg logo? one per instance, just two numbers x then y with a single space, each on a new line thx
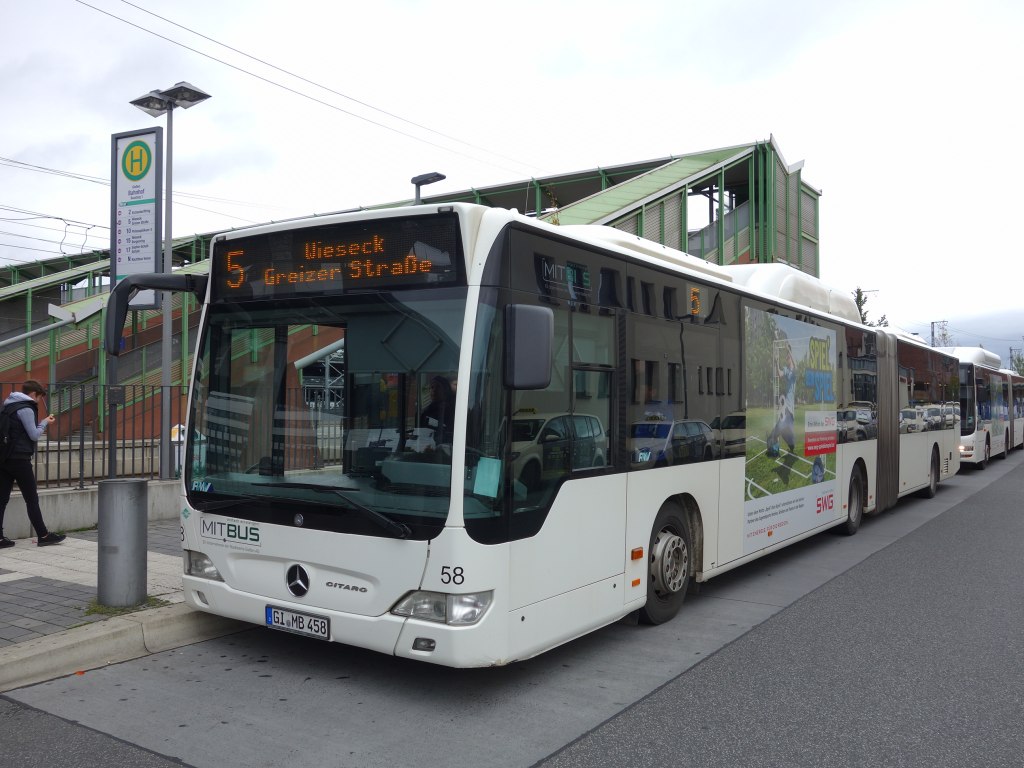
824 503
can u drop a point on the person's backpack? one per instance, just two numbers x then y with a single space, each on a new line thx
8 415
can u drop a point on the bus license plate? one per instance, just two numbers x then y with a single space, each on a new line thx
299 623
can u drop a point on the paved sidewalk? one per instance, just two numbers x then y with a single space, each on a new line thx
49 623
44 590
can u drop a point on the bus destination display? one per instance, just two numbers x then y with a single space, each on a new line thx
386 254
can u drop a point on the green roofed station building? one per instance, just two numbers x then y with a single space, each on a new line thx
735 205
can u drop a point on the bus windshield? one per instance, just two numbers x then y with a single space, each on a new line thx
334 414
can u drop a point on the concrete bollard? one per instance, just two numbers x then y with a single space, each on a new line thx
123 523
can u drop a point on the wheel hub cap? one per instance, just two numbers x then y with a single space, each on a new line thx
669 563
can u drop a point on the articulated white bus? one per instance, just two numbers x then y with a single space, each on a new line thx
457 434
1015 408
988 426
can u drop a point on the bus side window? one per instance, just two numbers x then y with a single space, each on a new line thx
594 360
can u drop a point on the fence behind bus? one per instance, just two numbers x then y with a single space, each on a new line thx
74 451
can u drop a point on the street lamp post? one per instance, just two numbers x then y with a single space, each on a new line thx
421 180
156 103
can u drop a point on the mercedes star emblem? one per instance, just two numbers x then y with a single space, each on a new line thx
297 581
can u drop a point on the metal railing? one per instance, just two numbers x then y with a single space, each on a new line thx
74 451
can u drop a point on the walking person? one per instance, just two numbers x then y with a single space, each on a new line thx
26 429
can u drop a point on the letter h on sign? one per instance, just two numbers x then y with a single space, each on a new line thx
135 159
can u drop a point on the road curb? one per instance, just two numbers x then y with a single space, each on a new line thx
113 640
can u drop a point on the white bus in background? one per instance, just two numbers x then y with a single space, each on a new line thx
418 525
986 426
1015 408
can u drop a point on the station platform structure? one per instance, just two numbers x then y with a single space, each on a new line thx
740 204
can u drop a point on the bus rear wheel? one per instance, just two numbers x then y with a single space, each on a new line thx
933 476
855 505
669 556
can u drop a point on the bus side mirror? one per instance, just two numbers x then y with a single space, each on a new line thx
121 295
529 333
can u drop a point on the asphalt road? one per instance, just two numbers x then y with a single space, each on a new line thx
900 646
915 657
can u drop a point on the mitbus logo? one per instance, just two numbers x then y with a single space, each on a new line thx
236 531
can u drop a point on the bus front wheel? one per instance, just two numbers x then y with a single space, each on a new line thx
986 455
669 556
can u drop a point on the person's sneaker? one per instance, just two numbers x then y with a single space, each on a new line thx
50 538
5 542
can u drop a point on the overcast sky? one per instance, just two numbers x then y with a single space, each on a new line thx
906 115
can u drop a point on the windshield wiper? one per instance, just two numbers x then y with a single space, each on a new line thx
209 506
395 528
307 486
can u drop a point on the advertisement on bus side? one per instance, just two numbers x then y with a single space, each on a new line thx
790 438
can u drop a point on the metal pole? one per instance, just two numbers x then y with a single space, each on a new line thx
123 509
45 329
166 357
111 416
81 437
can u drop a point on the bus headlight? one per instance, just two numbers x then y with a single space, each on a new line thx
198 564
464 610
456 610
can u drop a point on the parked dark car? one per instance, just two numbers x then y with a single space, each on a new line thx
660 443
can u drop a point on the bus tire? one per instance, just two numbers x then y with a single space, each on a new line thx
855 504
933 476
986 455
669 564
1006 445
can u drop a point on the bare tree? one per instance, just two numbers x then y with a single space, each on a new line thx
1017 360
861 298
941 337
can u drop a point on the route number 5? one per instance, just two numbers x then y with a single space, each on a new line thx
237 281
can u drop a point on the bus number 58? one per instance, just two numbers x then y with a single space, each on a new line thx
450 575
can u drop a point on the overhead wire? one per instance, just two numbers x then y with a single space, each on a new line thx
176 202
178 194
39 250
283 87
325 87
69 224
29 237
21 165
39 215
926 326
